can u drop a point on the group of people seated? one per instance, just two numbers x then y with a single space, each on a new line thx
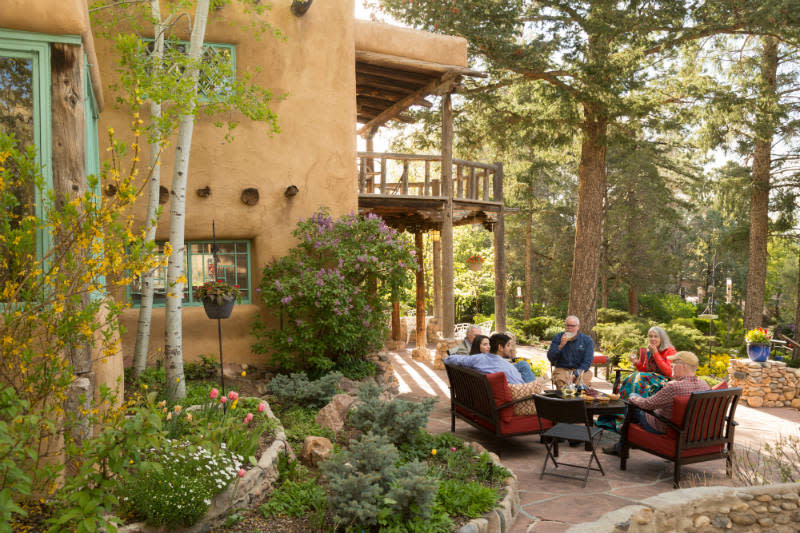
491 354
661 373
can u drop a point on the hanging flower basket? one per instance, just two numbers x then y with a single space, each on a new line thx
216 310
475 262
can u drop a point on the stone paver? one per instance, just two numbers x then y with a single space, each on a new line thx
555 504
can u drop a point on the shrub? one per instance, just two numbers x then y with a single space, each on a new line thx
208 367
368 488
612 316
685 338
536 327
540 367
665 307
551 332
296 389
331 291
179 491
299 422
399 420
356 369
468 498
619 340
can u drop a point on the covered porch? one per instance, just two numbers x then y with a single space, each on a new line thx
397 68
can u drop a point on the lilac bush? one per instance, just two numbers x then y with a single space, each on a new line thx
330 295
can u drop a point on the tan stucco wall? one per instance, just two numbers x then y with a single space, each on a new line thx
56 17
413 44
315 152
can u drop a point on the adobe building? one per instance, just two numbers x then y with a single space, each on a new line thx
341 77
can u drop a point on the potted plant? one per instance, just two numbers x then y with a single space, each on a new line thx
218 298
475 262
757 344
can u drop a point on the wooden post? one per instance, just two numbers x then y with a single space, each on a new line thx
499 255
422 340
437 277
448 300
370 172
396 330
69 181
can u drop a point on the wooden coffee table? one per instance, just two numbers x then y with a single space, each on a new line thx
611 407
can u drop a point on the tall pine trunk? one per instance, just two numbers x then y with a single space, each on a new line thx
589 225
759 198
151 222
528 264
173 345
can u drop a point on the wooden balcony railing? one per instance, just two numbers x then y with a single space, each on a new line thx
408 175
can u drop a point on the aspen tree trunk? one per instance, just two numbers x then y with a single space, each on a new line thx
588 230
173 345
759 197
151 221
796 349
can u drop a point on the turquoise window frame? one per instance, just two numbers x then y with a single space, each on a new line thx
37 47
189 300
227 46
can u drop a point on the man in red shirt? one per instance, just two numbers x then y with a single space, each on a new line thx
684 382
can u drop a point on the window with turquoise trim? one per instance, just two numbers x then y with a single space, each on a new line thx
233 266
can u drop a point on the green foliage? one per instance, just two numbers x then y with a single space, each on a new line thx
298 422
296 389
356 369
619 340
665 307
540 367
331 291
612 316
399 420
468 498
178 491
297 499
368 488
536 327
551 332
685 338
208 367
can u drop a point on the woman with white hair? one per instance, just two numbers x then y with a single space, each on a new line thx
653 371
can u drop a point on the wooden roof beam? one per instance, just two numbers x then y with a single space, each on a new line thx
435 86
416 65
368 80
396 74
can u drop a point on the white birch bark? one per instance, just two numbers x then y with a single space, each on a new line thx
173 349
151 222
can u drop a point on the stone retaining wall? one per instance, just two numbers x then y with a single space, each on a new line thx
767 384
501 518
707 509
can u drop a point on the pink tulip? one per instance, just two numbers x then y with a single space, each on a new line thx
241 472
261 407
223 399
248 418
213 394
233 395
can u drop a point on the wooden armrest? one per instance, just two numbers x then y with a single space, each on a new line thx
655 415
513 402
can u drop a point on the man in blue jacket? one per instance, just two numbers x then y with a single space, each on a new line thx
571 353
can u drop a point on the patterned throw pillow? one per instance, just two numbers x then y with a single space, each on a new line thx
521 391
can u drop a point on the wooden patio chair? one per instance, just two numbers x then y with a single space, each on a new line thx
700 429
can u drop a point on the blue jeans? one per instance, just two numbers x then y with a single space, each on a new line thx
640 417
525 369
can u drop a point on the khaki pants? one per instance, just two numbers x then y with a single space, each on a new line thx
561 376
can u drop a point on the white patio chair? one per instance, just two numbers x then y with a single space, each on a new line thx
486 327
460 330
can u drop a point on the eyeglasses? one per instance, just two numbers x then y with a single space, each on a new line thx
570 325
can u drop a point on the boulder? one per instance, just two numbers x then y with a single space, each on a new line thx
421 354
348 386
334 415
316 450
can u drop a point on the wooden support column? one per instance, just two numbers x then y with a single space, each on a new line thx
370 185
437 277
69 181
448 300
422 340
499 255
396 329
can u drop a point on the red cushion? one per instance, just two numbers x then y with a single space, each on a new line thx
600 360
499 386
523 424
664 444
679 404
721 385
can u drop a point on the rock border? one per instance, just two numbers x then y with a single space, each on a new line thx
256 481
760 508
501 518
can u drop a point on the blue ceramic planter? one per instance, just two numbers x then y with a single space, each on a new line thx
758 352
